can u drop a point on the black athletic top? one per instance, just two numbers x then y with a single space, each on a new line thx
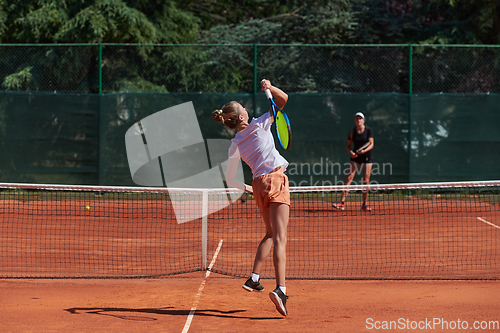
359 140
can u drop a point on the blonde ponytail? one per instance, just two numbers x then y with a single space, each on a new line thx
218 117
228 115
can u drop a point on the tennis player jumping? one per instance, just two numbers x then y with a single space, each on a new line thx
254 144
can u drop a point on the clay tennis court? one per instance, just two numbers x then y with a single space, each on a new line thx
164 305
348 271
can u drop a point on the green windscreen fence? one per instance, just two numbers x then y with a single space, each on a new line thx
49 137
80 138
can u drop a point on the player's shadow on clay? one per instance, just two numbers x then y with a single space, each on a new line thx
128 314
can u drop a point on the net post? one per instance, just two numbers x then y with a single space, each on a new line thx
204 230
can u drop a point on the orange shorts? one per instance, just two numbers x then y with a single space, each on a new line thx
272 187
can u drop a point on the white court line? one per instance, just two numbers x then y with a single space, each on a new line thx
200 290
493 225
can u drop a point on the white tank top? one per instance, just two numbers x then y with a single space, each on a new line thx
255 145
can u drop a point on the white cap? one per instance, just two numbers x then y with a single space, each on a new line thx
359 114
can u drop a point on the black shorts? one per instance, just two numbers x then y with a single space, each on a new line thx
363 159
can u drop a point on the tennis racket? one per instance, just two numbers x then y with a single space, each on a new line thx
366 145
283 129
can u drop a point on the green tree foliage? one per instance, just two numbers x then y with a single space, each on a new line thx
481 18
314 22
100 21
76 21
425 21
230 12
250 21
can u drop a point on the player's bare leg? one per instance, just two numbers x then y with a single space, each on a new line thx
279 214
367 170
353 168
252 284
265 244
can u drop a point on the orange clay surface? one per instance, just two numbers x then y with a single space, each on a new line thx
218 304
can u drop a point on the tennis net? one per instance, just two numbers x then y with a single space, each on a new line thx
414 231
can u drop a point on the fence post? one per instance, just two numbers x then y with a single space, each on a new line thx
410 91
99 118
99 70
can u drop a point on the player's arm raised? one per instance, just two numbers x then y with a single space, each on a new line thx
280 97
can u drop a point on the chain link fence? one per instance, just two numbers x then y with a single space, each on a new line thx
114 68
49 68
456 69
65 109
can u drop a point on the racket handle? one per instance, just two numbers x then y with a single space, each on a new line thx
268 94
